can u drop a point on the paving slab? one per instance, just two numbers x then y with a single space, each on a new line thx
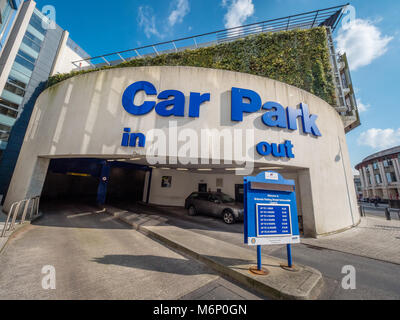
228 259
374 238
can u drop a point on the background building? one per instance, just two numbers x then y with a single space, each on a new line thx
8 12
358 186
33 49
380 175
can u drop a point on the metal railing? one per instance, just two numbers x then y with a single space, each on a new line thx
20 211
324 17
388 212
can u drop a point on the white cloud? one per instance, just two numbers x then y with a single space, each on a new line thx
147 20
177 15
238 12
380 138
362 41
362 107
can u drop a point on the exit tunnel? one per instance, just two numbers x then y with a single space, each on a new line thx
94 181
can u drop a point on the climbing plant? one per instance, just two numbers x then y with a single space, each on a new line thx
298 57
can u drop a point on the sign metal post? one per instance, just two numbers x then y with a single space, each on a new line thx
270 215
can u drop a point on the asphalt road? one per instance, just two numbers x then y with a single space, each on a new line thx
374 279
97 257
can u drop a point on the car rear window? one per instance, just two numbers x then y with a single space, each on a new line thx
203 196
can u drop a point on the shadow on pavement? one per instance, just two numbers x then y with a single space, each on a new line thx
154 263
179 217
78 214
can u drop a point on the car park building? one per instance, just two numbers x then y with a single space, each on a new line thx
157 123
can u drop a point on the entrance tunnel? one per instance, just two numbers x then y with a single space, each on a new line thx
94 181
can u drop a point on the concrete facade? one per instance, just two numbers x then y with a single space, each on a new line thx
83 117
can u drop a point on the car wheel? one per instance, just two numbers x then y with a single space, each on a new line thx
192 211
229 218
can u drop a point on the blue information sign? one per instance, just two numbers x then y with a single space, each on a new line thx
273 220
270 210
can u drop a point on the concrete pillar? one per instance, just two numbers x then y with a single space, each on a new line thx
146 186
14 41
397 169
307 207
367 181
27 181
383 173
362 179
60 52
371 171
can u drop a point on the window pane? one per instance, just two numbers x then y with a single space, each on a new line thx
5 13
15 81
31 44
11 97
35 40
25 63
8 112
35 33
4 135
22 69
9 104
18 76
29 50
36 22
26 56
12 88
203 196
3 127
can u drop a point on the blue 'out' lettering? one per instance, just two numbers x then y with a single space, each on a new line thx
284 150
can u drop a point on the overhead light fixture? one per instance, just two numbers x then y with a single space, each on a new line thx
234 169
165 168
271 168
204 169
153 167
182 169
135 159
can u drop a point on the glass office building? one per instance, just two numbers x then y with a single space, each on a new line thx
8 11
35 48
21 72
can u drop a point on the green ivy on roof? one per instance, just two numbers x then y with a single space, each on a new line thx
298 57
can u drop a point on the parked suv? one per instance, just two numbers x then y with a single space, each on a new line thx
215 204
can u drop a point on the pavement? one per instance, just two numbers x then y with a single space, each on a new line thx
95 256
376 279
374 238
230 260
3 240
3 218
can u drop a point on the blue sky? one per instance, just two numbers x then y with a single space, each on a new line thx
372 41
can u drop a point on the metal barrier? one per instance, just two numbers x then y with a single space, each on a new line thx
329 17
24 206
388 212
